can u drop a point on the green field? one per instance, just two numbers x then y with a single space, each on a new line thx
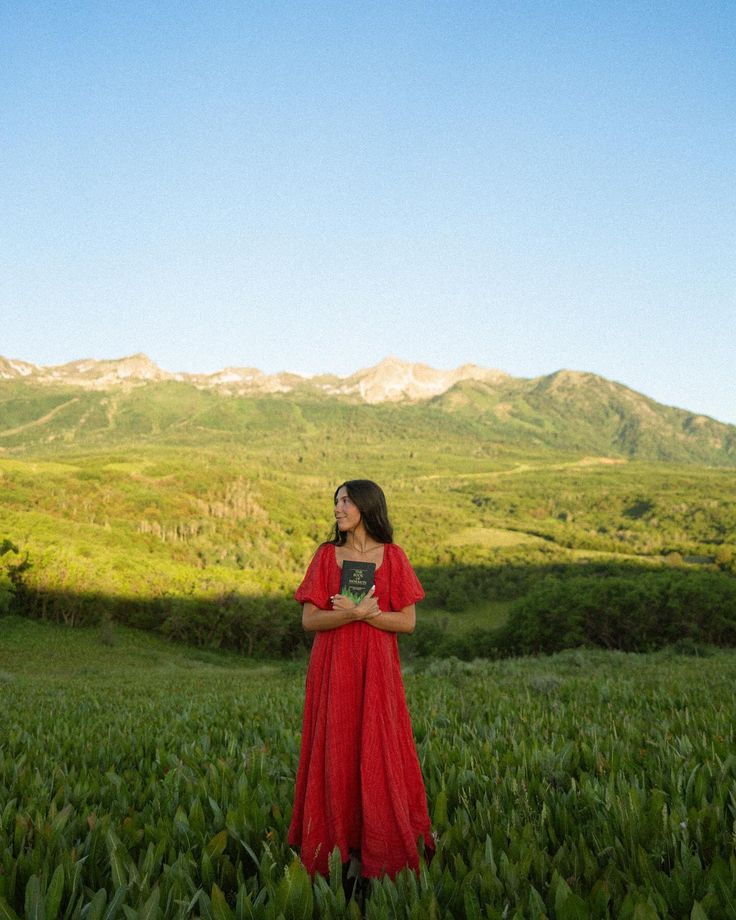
144 779
193 513
208 545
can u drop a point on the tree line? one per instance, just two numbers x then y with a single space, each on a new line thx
553 607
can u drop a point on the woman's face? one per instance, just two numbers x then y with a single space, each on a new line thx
347 514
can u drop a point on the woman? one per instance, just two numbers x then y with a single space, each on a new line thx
359 784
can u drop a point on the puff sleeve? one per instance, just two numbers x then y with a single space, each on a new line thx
405 588
314 586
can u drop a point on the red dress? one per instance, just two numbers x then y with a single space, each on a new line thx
359 784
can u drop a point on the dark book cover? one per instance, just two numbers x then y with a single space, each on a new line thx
357 579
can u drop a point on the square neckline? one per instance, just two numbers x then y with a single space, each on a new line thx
378 567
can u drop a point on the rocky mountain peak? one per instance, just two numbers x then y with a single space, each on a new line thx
391 380
10 368
101 375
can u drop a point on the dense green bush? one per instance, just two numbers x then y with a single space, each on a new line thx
626 607
12 567
259 626
633 613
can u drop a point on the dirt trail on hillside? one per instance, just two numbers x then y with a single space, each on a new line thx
111 410
528 468
38 421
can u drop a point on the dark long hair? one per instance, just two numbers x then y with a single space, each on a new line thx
369 499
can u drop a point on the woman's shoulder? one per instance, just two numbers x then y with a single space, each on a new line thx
405 586
395 552
314 584
323 550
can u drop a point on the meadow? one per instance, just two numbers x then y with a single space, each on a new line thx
194 514
207 546
140 778
147 755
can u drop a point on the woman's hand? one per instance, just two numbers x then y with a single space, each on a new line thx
342 604
367 609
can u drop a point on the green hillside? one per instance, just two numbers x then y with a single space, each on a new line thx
566 411
195 514
577 411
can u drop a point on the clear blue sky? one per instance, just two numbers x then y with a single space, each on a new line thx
310 187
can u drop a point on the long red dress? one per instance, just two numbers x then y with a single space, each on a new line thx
359 785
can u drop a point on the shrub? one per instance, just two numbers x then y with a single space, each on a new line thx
632 613
12 568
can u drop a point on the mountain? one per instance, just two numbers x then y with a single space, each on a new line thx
101 402
10 369
392 380
89 373
574 410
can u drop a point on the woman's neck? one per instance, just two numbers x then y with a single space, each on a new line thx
359 540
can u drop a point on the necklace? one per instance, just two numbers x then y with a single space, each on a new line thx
365 551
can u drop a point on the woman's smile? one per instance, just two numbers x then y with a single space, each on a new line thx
347 513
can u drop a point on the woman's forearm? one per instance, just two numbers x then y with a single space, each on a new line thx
399 621
316 620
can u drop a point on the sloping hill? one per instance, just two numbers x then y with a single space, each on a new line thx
563 412
571 410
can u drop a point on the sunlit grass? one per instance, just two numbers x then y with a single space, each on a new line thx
492 537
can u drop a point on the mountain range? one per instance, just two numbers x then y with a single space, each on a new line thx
392 380
100 401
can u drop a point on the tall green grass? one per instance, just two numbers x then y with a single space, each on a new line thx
139 779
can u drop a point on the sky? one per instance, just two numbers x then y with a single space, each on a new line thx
311 187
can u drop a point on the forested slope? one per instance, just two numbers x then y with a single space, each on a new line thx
194 513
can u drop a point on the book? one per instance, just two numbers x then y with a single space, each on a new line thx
357 579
